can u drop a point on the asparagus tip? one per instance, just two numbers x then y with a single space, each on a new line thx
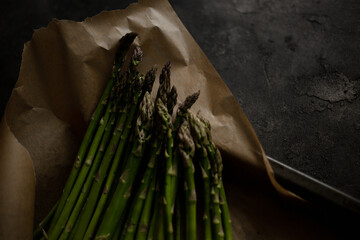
165 73
149 79
186 142
124 44
137 56
189 101
172 99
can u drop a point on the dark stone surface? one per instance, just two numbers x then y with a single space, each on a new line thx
292 65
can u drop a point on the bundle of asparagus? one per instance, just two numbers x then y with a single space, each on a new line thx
138 172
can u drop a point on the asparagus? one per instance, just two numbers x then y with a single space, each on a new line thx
115 209
43 224
89 179
225 214
171 170
60 223
145 190
186 150
216 159
218 232
164 81
124 45
154 218
142 230
177 218
117 158
90 205
199 133
183 108
142 192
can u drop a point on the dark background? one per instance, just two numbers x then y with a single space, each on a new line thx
293 66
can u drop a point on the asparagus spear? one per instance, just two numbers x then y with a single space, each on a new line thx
183 108
171 170
143 227
60 223
115 209
148 180
117 158
89 179
225 214
162 119
171 164
177 218
218 232
154 218
124 45
147 86
215 157
90 205
186 150
44 223
202 143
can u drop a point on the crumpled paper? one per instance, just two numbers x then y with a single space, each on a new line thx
63 72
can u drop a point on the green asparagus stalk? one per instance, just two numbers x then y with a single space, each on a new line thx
164 84
154 218
147 86
143 191
89 179
117 158
60 224
183 108
44 223
225 214
218 232
115 209
72 233
177 218
90 204
142 230
148 180
215 157
171 171
187 150
146 230
198 129
124 45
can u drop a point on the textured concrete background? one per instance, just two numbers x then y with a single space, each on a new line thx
293 66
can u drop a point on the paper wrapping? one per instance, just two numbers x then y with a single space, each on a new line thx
63 72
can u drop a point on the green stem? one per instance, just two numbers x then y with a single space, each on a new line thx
143 227
169 191
89 179
142 192
202 143
118 156
124 45
154 219
82 152
225 214
186 150
177 218
90 204
71 200
44 223
110 151
121 195
115 211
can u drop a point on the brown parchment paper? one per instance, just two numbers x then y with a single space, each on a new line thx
63 72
